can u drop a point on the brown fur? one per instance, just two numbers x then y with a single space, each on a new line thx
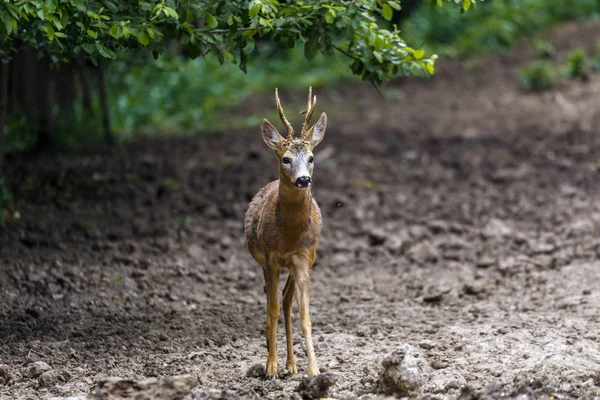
282 226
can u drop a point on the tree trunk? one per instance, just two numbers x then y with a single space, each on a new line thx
108 136
4 69
86 91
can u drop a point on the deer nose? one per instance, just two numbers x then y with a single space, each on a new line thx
303 182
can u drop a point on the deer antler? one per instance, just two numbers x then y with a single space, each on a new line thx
310 108
287 124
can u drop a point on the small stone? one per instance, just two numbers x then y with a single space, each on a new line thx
424 253
496 229
340 259
195 251
485 262
394 244
377 236
52 377
473 288
427 344
226 242
36 369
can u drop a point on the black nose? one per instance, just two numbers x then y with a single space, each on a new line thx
303 181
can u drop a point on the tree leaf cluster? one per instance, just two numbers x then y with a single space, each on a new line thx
230 29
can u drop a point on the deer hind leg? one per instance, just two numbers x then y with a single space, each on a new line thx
288 299
301 271
272 289
266 294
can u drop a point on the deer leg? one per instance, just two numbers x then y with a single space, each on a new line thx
301 272
288 299
267 294
272 285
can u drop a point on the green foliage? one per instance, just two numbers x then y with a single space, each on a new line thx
544 49
537 76
178 96
596 59
576 66
492 26
183 96
226 28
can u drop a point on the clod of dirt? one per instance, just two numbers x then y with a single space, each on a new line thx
427 344
404 371
52 377
256 371
36 369
485 262
496 229
442 381
316 387
424 253
7 374
222 395
395 244
168 388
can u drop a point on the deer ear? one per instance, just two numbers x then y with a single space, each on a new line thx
270 135
317 132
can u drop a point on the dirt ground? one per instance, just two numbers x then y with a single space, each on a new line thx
462 219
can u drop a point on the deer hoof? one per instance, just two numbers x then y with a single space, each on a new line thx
291 367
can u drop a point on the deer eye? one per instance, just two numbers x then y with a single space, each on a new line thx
286 160
311 159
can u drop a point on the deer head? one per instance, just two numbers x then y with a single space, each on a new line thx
296 159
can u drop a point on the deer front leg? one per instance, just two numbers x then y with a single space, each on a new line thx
301 272
272 289
288 299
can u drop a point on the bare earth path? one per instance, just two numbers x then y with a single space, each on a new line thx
464 222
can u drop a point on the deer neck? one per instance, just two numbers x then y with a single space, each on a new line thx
293 206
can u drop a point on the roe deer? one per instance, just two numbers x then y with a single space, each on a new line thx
283 224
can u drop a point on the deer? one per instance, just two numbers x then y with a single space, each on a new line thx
282 227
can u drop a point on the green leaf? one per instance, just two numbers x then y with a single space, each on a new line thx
387 11
115 31
430 68
418 54
88 48
79 5
105 52
49 31
150 33
171 13
111 6
92 34
466 4
143 38
378 56
330 16
211 22
254 10
60 34
126 32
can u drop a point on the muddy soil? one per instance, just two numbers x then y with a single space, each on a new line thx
461 221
